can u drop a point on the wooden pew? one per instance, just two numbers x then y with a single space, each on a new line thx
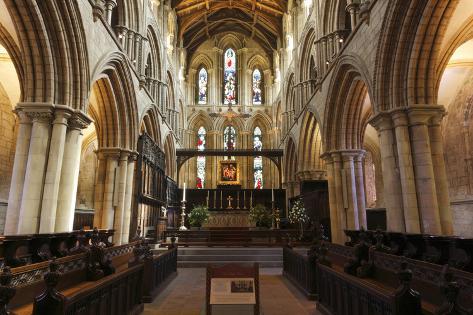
382 269
129 276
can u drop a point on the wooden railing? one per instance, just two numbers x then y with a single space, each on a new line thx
300 268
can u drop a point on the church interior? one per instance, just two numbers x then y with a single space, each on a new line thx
271 157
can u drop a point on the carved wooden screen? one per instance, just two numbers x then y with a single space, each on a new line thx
150 186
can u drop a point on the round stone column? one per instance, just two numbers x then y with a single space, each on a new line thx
340 222
360 188
35 169
352 205
424 172
99 188
121 192
441 180
108 210
406 171
18 173
130 180
332 199
53 171
392 184
70 173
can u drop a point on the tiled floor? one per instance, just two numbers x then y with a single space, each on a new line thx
185 295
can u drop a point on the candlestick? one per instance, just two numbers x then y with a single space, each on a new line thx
244 199
183 215
184 193
251 199
221 200
215 199
238 200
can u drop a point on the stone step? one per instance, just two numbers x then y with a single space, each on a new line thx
196 257
230 258
229 251
203 264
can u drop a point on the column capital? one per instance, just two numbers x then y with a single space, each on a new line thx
422 114
109 153
23 118
381 121
399 117
79 120
133 156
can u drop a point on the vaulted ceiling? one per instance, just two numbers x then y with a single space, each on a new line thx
199 20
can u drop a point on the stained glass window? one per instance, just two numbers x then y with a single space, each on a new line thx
200 159
229 139
257 94
258 160
203 79
229 77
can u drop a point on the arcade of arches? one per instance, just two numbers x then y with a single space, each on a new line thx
369 99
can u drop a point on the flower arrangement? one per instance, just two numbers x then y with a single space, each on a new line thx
298 213
260 216
199 215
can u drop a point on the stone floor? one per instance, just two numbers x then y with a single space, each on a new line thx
185 295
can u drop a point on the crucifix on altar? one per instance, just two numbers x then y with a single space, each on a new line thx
229 199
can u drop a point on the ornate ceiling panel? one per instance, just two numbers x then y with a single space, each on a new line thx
258 19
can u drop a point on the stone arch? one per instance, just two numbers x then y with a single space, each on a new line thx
8 42
290 167
346 115
150 125
404 72
290 93
154 54
200 118
170 156
113 106
126 14
170 97
53 49
310 149
306 53
334 16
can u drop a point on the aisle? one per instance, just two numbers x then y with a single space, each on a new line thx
185 295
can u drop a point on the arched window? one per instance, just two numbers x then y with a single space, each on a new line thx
200 159
202 87
257 86
229 140
229 77
258 160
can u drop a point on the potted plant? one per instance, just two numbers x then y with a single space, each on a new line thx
260 216
199 215
298 215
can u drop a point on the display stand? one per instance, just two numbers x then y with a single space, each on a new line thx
233 289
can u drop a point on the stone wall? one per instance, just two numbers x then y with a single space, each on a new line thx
86 185
458 141
7 143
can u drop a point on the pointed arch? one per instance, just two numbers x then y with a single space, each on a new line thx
310 145
113 106
348 105
150 125
170 156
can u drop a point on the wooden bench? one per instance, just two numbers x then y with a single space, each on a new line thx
28 280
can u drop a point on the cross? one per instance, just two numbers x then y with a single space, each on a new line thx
229 202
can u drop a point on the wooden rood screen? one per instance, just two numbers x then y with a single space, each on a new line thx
150 186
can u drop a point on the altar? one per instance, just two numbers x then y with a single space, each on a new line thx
229 218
